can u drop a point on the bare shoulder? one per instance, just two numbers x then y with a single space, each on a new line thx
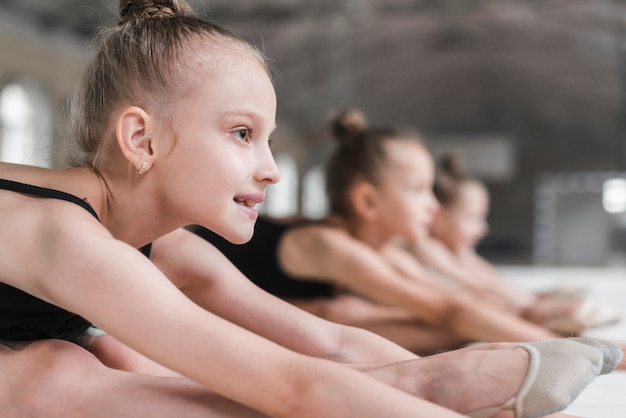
34 231
318 250
313 239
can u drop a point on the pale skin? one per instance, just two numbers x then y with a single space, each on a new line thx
450 248
188 334
356 254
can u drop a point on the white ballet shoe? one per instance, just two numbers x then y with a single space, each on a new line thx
568 292
592 314
612 353
558 370
588 315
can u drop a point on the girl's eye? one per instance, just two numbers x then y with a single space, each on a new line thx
242 134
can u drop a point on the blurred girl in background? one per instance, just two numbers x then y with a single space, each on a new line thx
450 249
349 268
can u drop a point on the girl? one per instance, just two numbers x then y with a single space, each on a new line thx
174 119
450 249
348 268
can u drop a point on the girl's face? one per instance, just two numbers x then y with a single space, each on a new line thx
221 162
464 223
406 201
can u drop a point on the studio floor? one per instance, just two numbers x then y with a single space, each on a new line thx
605 397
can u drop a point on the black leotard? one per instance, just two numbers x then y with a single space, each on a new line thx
24 317
258 260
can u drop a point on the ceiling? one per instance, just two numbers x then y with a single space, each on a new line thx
438 64
81 17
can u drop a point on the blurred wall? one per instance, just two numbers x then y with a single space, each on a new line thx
545 80
51 60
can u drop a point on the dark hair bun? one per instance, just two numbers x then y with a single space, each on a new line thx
347 125
451 164
140 9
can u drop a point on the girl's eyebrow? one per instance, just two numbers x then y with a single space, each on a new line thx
248 114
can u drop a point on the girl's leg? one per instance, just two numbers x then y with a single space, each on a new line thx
463 380
61 379
116 355
539 376
415 336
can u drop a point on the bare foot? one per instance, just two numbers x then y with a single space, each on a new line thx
532 378
547 308
463 380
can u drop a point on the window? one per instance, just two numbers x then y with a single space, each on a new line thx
26 124
282 197
314 199
614 195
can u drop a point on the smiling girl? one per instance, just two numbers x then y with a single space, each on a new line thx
174 117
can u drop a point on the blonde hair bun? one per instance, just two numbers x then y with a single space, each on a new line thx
141 9
347 125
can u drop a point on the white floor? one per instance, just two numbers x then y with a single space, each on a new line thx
605 397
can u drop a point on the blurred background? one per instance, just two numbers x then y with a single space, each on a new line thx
532 93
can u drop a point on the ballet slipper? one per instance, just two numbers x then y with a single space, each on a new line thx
558 370
568 292
591 314
612 353
588 315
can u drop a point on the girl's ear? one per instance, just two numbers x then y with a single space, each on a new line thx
364 198
132 134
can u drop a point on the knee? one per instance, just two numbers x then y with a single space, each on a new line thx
116 355
57 364
41 372
57 358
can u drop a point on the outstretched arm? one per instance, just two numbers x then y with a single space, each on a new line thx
330 254
212 281
480 278
116 287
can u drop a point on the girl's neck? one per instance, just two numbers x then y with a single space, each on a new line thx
366 232
130 212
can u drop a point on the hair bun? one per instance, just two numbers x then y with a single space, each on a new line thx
451 164
347 125
141 9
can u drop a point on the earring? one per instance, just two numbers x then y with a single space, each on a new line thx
143 168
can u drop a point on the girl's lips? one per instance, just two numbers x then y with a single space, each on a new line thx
250 199
249 210
246 202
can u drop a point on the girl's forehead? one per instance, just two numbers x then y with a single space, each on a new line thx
472 193
406 148
409 162
408 154
473 188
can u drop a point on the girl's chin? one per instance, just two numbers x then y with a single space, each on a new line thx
236 237
241 239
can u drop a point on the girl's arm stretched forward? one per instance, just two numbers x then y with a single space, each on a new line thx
206 276
331 254
76 264
481 277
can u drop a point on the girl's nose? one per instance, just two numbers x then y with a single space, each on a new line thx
268 170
